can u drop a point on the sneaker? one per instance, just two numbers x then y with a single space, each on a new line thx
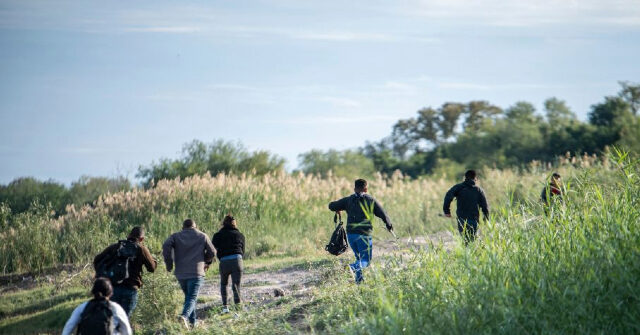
183 321
225 310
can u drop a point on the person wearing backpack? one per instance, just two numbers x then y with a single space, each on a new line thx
469 196
192 252
122 263
360 208
98 316
229 244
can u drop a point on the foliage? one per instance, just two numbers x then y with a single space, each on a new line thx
349 164
477 134
22 193
270 209
574 271
199 158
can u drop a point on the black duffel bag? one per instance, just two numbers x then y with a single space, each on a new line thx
338 243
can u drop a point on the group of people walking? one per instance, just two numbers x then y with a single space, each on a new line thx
189 254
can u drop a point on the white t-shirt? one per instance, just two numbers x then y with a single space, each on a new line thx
120 320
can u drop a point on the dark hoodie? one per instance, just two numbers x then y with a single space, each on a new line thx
469 197
228 241
357 222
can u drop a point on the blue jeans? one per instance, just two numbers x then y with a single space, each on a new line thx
126 297
362 246
468 229
190 287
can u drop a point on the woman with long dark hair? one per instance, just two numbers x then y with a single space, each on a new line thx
99 316
229 244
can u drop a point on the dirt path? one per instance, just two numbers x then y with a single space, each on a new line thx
260 288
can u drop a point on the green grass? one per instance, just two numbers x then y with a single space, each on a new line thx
574 271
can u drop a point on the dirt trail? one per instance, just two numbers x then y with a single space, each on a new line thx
259 288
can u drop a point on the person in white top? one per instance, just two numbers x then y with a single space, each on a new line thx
102 316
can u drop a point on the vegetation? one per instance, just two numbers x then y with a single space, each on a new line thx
22 193
477 134
199 158
574 271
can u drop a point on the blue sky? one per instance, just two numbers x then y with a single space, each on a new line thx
98 88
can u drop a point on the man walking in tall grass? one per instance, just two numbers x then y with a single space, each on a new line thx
192 252
125 290
360 207
469 196
551 192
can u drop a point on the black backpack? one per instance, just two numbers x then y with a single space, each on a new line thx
96 319
116 266
338 243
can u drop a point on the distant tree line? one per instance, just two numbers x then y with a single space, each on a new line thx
20 194
478 133
220 156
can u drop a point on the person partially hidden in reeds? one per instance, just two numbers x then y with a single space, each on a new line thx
551 192
360 208
99 316
125 293
470 197
192 252
229 244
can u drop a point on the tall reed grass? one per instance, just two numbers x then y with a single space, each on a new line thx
575 271
280 214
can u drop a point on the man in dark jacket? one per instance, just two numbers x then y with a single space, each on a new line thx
126 293
192 252
360 208
469 197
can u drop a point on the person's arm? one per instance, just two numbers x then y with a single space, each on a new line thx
209 251
123 327
167 252
74 319
382 214
149 262
448 198
484 205
216 241
242 241
338 205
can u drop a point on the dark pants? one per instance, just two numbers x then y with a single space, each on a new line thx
233 268
468 228
126 297
191 288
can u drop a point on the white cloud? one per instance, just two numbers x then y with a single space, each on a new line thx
316 120
342 102
524 13
166 29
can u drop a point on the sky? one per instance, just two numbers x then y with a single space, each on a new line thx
100 88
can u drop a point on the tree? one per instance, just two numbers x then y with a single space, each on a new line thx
631 94
449 114
21 193
606 113
477 112
87 189
427 126
558 113
347 163
199 158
